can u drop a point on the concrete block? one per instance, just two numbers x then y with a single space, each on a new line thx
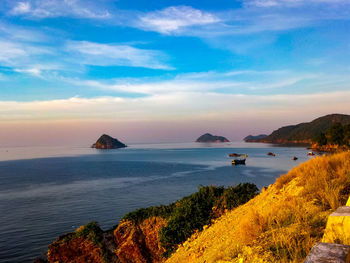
329 253
338 227
348 202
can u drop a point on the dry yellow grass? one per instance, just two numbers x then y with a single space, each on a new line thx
279 225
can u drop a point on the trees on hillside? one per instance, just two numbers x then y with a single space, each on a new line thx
337 134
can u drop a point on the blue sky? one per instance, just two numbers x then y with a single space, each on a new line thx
149 67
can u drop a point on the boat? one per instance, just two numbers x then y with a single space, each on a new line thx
310 154
237 155
271 154
238 161
295 158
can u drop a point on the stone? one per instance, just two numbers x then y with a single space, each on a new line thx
338 227
329 253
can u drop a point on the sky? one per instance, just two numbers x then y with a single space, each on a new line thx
168 70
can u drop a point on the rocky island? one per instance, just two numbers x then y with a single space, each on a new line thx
211 138
254 138
108 142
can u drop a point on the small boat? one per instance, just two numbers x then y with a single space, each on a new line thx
237 155
295 158
271 154
238 161
310 154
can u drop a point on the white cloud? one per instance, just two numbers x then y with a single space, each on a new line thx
17 54
59 8
21 8
32 71
114 54
10 51
254 17
232 82
38 70
19 33
175 18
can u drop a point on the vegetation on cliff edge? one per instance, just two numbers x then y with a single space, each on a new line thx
193 212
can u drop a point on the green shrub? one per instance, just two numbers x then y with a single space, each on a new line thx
193 212
196 211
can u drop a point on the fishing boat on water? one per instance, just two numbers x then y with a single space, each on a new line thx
238 161
237 155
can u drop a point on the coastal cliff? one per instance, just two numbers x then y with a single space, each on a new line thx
87 244
139 242
149 234
129 242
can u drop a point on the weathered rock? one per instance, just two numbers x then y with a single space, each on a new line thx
139 243
87 244
329 253
130 242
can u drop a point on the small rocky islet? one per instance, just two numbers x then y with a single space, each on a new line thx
108 142
207 137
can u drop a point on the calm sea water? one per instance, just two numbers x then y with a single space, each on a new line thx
45 192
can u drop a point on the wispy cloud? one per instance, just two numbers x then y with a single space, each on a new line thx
175 18
178 105
290 3
256 16
20 33
231 82
58 8
29 51
91 53
16 53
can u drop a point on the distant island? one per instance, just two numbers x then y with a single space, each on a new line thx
211 138
253 138
108 142
323 130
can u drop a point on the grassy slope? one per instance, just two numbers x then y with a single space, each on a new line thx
279 225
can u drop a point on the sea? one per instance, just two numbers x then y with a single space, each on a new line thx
48 191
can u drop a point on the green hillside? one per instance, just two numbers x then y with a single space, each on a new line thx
306 132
